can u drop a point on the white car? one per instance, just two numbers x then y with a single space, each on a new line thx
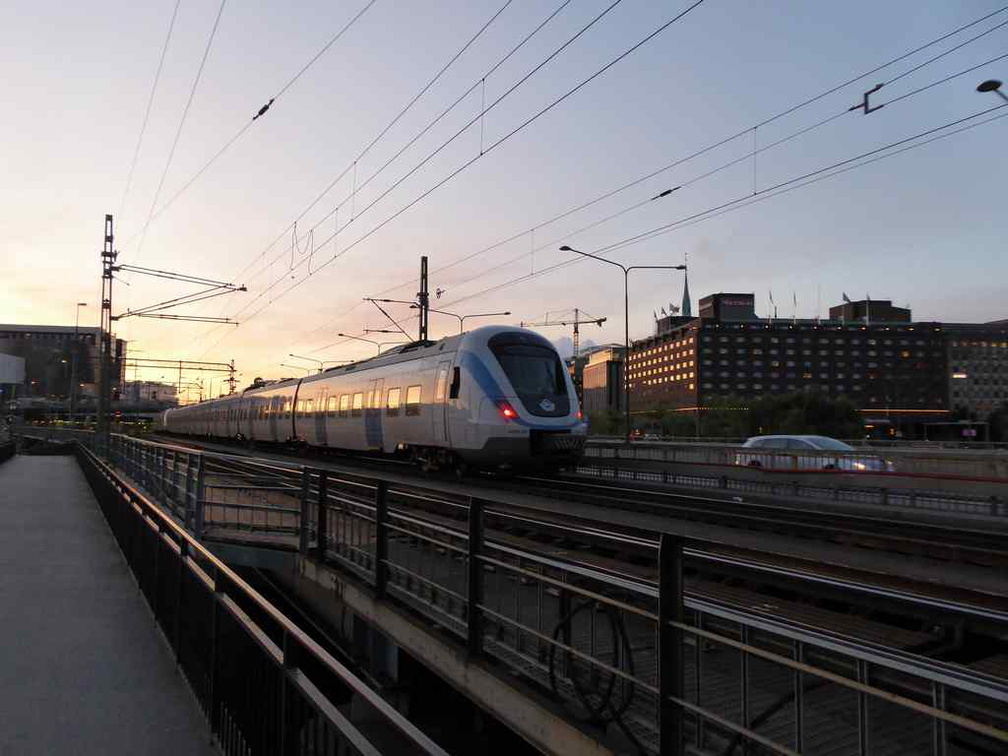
807 452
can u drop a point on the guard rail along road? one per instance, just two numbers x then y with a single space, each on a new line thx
968 482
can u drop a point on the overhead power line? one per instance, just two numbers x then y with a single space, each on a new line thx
178 132
797 182
150 101
719 143
262 110
695 154
423 90
487 150
433 122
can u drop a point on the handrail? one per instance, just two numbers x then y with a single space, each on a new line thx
578 583
397 720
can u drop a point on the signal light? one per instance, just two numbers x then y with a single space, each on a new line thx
506 409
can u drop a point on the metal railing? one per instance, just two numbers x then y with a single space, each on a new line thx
262 683
986 465
790 476
663 663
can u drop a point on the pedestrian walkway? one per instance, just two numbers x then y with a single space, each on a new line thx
83 669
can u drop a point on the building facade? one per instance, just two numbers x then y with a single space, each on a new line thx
55 355
602 381
977 368
144 392
888 369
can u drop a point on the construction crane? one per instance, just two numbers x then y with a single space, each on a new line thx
565 318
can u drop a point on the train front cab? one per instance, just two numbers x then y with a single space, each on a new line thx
516 405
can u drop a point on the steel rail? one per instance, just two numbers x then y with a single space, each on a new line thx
850 585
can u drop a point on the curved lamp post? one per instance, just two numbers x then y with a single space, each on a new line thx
626 317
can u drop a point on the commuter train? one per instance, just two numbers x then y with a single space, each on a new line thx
494 398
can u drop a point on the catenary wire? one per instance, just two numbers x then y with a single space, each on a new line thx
724 166
744 201
709 214
379 136
704 150
691 181
470 162
409 144
178 131
445 144
720 143
147 111
228 144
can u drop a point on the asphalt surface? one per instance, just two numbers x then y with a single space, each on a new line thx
83 668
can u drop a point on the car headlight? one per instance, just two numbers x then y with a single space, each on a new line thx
860 466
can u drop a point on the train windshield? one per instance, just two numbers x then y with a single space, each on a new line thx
536 374
532 369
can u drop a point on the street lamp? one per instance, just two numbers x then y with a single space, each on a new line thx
73 365
298 367
626 317
378 344
462 318
992 85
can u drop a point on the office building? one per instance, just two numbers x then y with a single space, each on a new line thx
53 353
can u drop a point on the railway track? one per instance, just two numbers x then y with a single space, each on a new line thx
945 633
946 538
630 552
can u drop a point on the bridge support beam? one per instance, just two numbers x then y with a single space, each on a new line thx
533 716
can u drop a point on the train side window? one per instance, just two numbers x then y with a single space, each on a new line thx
453 392
344 405
392 403
332 406
309 407
358 404
413 401
439 385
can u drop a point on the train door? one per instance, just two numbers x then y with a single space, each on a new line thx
439 414
320 417
275 405
373 415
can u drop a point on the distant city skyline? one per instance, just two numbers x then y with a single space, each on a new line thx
923 227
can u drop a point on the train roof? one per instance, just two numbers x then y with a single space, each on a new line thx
402 353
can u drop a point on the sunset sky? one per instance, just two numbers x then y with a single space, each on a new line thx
925 227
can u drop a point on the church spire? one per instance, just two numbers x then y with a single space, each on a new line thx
686 310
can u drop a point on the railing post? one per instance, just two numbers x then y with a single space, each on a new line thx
474 587
670 644
381 538
190 487
199 491
179 597
322 519
304 525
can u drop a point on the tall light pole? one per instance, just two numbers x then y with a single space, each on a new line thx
73 362
626 317
377 344
992 85
462 318
297 367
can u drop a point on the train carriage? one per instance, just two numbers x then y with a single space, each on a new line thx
496 397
